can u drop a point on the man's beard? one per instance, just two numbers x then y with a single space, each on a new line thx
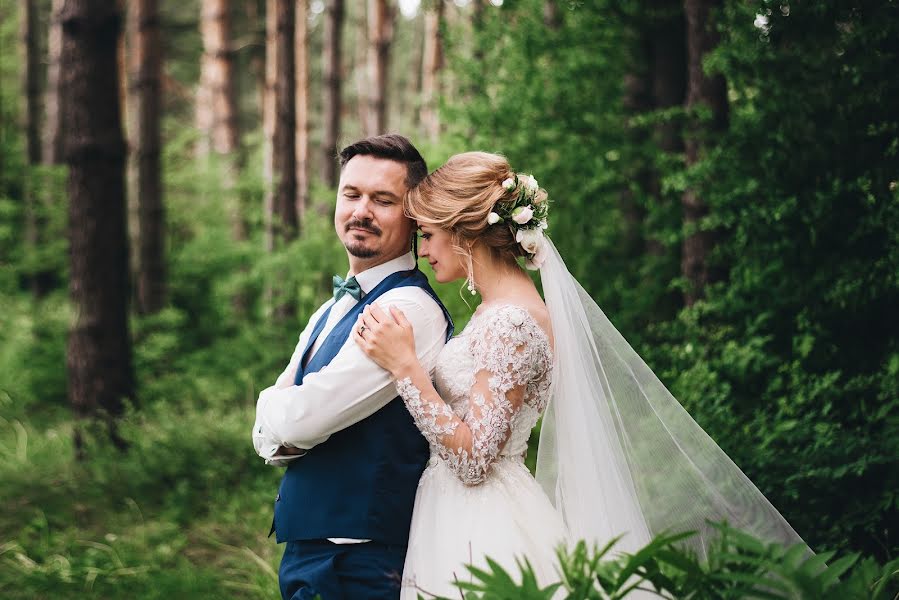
359 249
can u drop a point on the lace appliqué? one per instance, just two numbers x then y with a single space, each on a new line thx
511 364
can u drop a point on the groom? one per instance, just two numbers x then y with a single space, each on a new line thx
352 451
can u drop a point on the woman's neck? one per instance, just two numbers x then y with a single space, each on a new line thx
498 279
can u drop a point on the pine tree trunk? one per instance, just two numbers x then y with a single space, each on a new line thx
432 63
31 80
359 75
301 55
666 37
380 32
255 15
332 79
28 32
711 91
52 147
668 64
217 115
146 60
100 377
280 120
551 17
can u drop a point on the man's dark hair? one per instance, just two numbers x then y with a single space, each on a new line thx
390 146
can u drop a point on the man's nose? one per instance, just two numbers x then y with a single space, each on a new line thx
362 210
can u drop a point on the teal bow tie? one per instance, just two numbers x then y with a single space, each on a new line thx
350 286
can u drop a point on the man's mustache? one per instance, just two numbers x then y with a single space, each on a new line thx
363 224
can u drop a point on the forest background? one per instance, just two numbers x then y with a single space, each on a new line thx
723 178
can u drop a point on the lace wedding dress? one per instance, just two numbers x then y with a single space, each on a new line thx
476 498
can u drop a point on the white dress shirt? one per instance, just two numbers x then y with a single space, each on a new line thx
351 387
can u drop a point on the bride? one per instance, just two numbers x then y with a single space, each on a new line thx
618 455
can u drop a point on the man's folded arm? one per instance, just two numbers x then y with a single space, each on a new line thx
262 442
350 388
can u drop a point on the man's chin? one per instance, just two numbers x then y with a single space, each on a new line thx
362 251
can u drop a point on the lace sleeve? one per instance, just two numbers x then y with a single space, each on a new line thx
508 349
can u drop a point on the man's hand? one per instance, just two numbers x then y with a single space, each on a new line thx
290 451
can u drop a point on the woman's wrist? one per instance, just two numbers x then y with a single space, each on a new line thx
406 368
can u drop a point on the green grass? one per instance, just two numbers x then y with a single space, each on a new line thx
184 513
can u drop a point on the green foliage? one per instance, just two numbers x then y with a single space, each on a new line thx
791 361
738 566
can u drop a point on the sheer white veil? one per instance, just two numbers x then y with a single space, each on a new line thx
618 454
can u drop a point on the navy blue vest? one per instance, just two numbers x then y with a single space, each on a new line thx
361 482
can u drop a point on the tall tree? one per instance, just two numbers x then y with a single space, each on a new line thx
332 79
98 357
710 92
280 121
217 115
28 32
146 69
380 34
431 64
280 135
31 79
301 56
52 147
254 11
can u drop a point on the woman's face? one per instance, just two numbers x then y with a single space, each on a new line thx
437 246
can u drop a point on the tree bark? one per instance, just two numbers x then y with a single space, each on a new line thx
380 33
710 91
52 147
280 122
217 114
301 55
358 41
668 65
667 47
432 63
28 33
99 367
332 79
31 80
146 69
551 17
254 15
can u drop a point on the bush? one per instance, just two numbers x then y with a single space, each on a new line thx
739 566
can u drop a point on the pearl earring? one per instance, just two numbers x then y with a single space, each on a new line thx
470 279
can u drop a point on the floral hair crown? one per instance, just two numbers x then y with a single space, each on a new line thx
525 211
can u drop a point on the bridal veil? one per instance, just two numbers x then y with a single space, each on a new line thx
618 454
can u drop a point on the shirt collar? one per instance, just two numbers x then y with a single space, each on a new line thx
370 278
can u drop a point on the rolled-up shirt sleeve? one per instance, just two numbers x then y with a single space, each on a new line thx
350 388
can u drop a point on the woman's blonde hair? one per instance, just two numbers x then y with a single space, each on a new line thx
460 195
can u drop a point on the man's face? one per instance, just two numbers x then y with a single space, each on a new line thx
369 217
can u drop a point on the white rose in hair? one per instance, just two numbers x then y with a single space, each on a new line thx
522 214
530 239
539 257
493 218
509 184
532 184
